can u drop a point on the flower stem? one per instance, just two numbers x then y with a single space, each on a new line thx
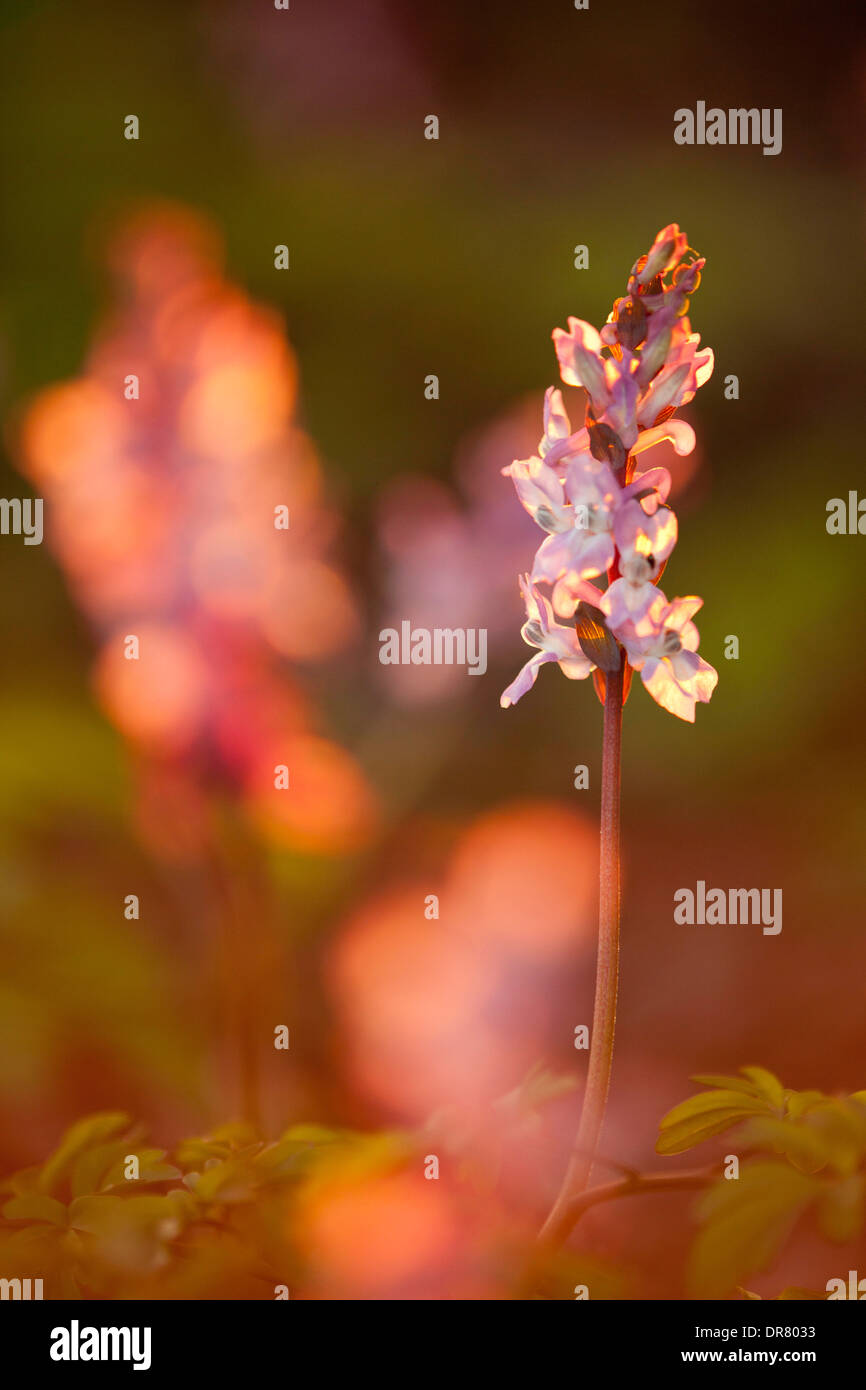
558 1224
242 972
636 1185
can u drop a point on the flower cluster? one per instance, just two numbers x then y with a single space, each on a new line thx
189 510
601 515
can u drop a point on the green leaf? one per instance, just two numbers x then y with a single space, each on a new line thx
131 1233
766 1085
150 1169
730 1100
842 1124
755 1081
702 1116
19 1184
221 1143
299 1147
800 1102
817 1132
837 1125
234 1180
746 1222
840 1209
84 1134
360 1155
726 1083
313 1134
800 1146
35 1208
86 1174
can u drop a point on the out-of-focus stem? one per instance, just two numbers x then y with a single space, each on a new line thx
559 1222
236 874
636 1184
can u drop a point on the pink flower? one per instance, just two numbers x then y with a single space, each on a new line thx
586 548
554 642
661 642
645 528
542 494
665 331
611 383
606 518
580 360
628 599
666 252
677 381
557 425
678 432
164 518
602 517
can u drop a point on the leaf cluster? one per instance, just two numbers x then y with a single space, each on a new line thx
212 1219
803 1155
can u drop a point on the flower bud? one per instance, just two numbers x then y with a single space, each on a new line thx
666 251
631 323
605 444
596 641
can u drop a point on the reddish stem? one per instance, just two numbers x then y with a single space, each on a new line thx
559 1222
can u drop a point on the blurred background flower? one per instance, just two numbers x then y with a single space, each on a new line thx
187 511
